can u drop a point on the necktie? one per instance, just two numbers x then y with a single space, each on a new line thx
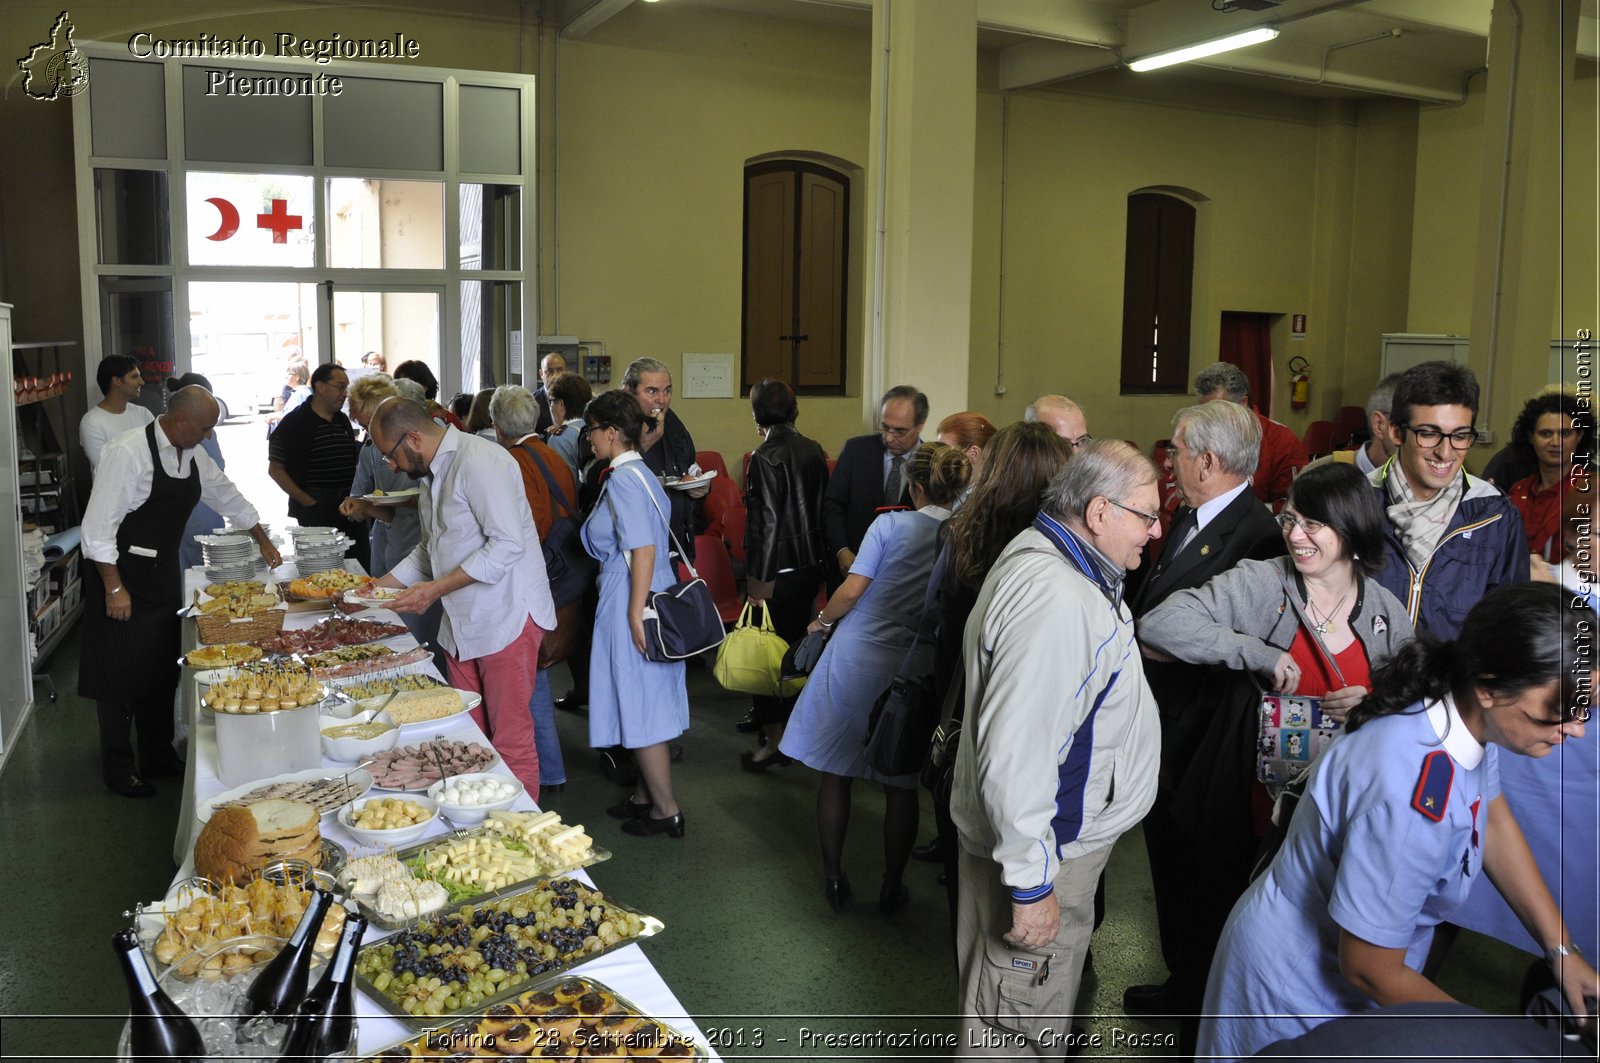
894 483
1178 535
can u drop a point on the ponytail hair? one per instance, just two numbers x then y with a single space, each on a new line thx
1517 638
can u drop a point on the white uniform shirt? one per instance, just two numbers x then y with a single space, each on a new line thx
99 427
122 485
475 517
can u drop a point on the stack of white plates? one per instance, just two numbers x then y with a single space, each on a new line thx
228 557
319 549
275 540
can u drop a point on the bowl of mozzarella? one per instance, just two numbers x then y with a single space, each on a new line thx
467 800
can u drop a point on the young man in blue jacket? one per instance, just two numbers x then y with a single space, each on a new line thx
1452 538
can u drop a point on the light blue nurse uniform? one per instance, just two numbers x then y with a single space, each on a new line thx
828 728
633 702
1385 845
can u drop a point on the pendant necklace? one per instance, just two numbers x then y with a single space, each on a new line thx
1326 624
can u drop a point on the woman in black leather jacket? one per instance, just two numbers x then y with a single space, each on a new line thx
783 541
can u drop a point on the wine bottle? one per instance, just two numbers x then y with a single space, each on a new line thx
157 1027
326 1017
281 985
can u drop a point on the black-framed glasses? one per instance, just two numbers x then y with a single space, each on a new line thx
1150 519
1429 435
1081 442
389 456
1289 521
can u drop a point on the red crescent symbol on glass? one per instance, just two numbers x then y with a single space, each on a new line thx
229 223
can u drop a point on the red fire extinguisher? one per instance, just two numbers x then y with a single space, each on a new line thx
1300 383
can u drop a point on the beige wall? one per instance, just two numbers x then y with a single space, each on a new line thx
658 112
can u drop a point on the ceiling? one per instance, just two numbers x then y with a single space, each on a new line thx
1414 49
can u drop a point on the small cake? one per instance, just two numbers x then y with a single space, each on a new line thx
571 990
562 1020
536 1003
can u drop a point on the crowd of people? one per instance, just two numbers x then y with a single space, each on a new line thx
1300 677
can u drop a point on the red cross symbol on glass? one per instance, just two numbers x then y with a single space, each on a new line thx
279 220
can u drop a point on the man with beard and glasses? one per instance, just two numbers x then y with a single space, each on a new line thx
480 558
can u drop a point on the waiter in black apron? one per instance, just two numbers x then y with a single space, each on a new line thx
144 490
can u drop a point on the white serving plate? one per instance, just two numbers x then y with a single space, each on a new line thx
392 498
469 701
688 483
360 780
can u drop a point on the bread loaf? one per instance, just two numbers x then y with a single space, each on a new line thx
238 841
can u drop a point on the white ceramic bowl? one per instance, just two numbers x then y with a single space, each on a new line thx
469 815
394 837
354 750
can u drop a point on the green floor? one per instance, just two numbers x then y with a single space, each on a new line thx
751 947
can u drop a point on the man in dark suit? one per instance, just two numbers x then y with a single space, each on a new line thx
1215 448
871 474
552 366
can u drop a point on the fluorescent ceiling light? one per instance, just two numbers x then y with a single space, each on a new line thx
1259 35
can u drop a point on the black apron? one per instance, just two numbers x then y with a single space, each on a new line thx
136 659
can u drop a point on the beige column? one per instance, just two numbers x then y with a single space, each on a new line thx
918 287
1518 263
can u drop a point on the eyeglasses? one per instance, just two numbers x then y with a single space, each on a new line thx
1428 435
1080 442
389 456
898 433
1289 521
1150 519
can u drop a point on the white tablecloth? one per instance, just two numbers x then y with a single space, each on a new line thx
626 970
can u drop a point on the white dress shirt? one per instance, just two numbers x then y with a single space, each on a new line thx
475 517
122 485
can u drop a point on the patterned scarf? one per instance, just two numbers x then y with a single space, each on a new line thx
1420 524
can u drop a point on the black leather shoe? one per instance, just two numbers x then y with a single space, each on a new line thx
570 702
837 890
892 897
932 853
129 785
1163 999
747 724
627 809
752 763
643 826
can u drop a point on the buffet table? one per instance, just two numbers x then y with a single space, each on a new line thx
627 970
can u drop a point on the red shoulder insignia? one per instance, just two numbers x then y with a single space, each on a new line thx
1433 785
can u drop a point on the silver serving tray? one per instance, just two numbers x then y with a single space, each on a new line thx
597 855
652 927
467 1022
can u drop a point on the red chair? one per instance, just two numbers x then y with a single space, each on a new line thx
1319 438
711 560
711 459
1349 422
832 462
723 497
733 523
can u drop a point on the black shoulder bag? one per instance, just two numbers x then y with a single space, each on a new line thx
567 564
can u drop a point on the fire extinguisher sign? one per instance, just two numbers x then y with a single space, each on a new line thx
1297 326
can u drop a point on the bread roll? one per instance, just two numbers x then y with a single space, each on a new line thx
239 840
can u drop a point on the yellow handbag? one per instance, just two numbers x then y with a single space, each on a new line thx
751 657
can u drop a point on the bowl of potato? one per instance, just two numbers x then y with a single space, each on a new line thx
389 821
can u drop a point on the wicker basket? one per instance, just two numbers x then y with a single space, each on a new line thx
220 627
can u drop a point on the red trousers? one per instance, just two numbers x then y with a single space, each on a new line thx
505 679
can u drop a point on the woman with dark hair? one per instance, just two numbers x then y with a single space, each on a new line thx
1002 500
419 371
479 421
1244 619
119 411
633 701
1399 819
881 599
1556 431
784 552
